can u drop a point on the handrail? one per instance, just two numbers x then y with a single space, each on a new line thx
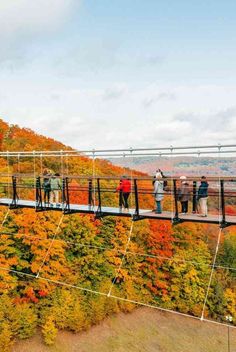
98 188
131 150
123 154
139 178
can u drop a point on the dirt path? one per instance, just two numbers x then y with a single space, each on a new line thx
145 330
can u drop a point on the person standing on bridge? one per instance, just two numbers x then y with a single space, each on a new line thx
202 196
158 192
184 194
46 186
55 187
125 189
165 183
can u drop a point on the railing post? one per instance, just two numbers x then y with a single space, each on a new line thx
120 197
136 214
99 208
99 196
90 193
176 218
39 202
65 195
194 196
14 193
222 204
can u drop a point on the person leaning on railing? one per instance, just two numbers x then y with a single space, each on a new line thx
125 189
202 197
184 194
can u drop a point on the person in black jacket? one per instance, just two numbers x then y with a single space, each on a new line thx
202 197
46 186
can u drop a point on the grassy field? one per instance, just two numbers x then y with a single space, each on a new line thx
144 330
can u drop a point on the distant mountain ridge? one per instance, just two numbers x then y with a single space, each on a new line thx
178 165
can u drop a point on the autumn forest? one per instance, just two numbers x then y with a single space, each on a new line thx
71 271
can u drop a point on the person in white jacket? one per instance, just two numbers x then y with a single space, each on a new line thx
158 192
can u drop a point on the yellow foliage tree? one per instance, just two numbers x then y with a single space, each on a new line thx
6 337
49 331
26 320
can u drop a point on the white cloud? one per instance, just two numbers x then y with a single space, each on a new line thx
114 116
22 22
115 92
160 96
28 17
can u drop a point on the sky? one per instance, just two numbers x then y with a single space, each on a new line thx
120 73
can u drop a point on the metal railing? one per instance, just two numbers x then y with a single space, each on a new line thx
98 186
154 151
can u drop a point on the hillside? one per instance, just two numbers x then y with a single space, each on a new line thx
13 138
45 256
144 330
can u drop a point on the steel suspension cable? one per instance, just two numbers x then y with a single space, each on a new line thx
41 164
94 185
18 171
8 195
62 178
35 192
67 165
172 188
8 182
217 246
211 274
62 164
62 283
131 175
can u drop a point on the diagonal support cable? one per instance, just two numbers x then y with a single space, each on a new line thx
5 218
94 186
211 275
216 251
62 283
53 239
123 258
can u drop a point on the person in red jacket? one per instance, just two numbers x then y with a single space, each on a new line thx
125 189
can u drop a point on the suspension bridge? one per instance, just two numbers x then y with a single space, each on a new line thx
221 187
101 199
98 206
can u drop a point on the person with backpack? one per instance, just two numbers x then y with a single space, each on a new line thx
158 192
202 196
55 184
125 189
46 186
184 194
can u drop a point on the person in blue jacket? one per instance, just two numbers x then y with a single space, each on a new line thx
202 197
